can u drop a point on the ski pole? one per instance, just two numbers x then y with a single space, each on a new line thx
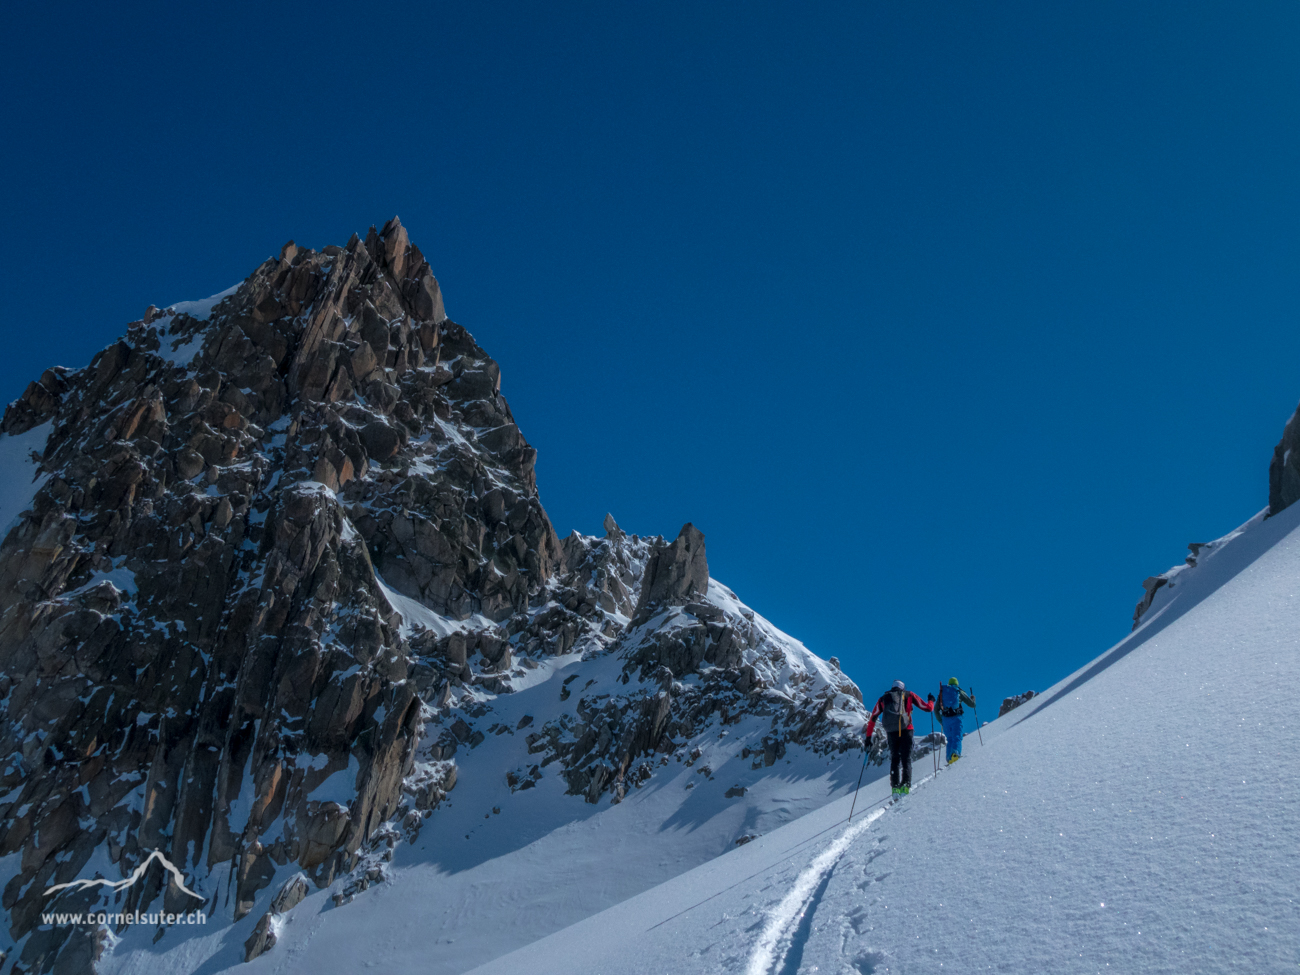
977 717
937 703
865 753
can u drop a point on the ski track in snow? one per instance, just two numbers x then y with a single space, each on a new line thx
790 911
787 915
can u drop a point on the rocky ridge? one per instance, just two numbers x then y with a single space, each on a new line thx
283 550
1283 491
1011 703
1284 469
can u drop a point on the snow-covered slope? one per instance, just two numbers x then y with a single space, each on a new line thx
1211 564
496 869
1140 816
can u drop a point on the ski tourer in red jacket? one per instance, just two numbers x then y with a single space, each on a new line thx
894 710
890 704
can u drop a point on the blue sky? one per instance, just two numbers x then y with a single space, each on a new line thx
947 323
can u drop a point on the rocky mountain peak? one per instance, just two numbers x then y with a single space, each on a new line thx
282 551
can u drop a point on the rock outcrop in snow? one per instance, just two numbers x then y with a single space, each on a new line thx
1284 469
1013 702
282 551
1283 491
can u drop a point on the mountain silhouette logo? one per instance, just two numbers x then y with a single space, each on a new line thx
177 878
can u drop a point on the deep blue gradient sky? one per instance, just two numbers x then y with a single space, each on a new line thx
947 323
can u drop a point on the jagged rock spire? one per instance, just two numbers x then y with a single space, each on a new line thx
676 573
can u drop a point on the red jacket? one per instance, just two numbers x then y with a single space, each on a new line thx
909 699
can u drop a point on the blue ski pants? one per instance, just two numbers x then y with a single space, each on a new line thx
952 731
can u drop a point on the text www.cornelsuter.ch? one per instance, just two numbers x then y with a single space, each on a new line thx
127 917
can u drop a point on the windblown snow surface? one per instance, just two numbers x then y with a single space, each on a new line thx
1140 816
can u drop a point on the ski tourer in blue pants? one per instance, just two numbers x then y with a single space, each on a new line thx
949 706
952 731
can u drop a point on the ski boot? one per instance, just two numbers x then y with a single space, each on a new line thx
953 758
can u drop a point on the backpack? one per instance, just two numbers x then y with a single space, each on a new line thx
893 711
950 701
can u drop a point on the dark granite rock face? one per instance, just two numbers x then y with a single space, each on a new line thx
692 664
1284 470
1150 585
283 550
195 645
676 573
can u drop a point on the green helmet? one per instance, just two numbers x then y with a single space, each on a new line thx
953 682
